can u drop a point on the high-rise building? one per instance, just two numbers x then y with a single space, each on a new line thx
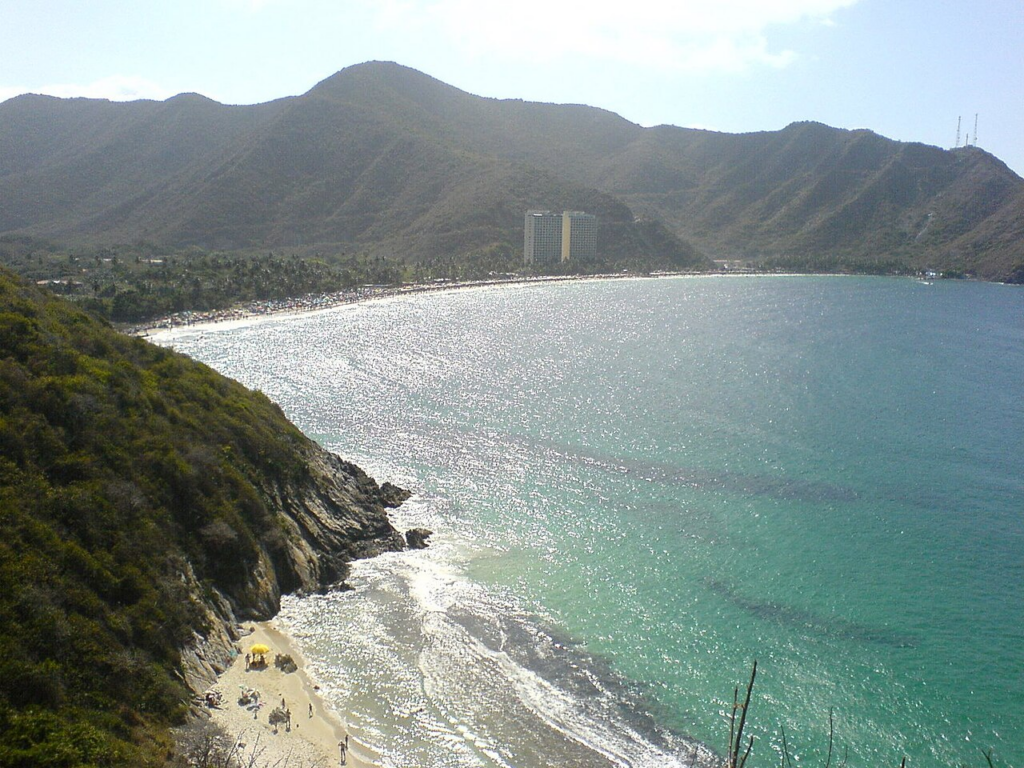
543 237
579 236
551 237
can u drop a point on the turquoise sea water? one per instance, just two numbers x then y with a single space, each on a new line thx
640 486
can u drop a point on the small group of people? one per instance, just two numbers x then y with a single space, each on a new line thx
255 661
281 715
250 699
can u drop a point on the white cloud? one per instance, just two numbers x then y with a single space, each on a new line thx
687 35
115 88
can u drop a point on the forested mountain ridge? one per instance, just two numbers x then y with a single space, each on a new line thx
385 159
810 189
147 504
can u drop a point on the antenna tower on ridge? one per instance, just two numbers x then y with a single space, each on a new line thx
957 145
975 129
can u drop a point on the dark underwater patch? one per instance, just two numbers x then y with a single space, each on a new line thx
809 622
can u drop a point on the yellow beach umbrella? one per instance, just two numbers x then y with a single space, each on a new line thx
259 649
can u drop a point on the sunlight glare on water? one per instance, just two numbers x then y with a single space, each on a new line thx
639 486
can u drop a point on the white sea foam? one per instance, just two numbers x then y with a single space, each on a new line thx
434 670
680 475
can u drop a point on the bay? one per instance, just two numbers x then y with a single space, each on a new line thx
640 486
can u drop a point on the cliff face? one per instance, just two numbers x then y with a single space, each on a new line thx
147 504
335 515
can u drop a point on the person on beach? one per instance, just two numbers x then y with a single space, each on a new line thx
343 746
311 709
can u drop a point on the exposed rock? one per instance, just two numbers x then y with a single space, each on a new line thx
416 538
392 496
207 656
285 663
333 514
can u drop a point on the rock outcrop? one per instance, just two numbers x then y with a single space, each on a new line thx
149 504
335 514
416 538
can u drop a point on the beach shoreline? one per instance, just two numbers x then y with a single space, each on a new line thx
319 302
314 734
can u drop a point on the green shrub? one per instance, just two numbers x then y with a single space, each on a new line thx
119 462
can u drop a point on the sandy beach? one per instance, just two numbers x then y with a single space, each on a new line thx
316 731
324 301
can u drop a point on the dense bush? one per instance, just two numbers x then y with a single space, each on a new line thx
133 283
121 463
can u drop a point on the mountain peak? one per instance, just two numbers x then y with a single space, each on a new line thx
381 157
378 73
190 97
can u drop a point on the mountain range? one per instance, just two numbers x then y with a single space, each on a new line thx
382 159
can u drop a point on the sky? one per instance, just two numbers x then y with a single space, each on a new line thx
906 69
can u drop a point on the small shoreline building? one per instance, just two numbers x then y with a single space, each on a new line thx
553 237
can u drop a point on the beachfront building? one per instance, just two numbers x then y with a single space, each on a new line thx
551 237
579 236
542 242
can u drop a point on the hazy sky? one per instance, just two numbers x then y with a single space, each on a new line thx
903 68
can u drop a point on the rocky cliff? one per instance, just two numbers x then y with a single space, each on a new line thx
147 505
337 515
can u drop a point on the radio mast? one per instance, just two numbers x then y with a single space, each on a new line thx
957 145
975 129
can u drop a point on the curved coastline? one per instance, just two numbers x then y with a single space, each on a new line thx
320 302
300 635
315 740
319 739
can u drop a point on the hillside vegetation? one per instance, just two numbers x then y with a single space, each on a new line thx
382 160
132 283
358 167
146 503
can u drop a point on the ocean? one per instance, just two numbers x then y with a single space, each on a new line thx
637 487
